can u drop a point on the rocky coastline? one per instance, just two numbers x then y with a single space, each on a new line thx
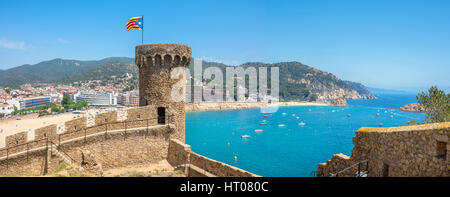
339 102
412 107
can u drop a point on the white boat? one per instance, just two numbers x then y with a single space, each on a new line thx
302 124
281 125
283 114
258 130
297 117
245 136
293 114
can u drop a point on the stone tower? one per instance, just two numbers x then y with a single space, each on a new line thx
155 62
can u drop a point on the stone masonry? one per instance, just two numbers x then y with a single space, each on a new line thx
151 133
155 62
419 150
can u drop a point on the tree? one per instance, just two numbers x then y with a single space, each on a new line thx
66 100
412 122
436 105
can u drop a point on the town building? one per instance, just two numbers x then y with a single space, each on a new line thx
6 109
97 99
130 98
28 103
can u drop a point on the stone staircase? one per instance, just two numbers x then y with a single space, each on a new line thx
63 157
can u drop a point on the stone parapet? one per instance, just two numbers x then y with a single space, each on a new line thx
419 150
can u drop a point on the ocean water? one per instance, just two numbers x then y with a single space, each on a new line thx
283 147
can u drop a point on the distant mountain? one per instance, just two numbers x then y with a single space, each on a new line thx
53 70
297 81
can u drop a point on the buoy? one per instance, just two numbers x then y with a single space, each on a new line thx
235 158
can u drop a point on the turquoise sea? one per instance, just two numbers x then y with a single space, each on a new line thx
292 149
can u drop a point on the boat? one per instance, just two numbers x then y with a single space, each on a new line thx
283 114
348 115
297 117
281 125
381 124
378 114
293 115
263 123
245 136
266 116
302 124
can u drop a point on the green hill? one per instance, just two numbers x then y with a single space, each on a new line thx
297 81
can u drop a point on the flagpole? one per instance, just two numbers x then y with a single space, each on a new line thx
142 29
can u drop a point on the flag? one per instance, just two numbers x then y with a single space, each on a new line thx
135 23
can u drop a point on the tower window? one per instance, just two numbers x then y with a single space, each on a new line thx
441 150
161 115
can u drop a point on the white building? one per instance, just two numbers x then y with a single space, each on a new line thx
6 109
98 99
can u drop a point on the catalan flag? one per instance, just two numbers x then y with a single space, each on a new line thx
135 23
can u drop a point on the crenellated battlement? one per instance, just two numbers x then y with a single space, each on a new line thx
163 55
136 118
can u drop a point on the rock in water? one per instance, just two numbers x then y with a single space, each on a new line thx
339 102
412 107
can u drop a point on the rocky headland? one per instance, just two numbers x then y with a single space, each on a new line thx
412 107
339 102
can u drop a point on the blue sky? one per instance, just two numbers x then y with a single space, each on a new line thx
385 44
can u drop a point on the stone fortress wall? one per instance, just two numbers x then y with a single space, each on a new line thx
194 164
142 138
419 150
155 63
113 143
113 148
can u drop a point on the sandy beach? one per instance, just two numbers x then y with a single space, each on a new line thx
31 122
